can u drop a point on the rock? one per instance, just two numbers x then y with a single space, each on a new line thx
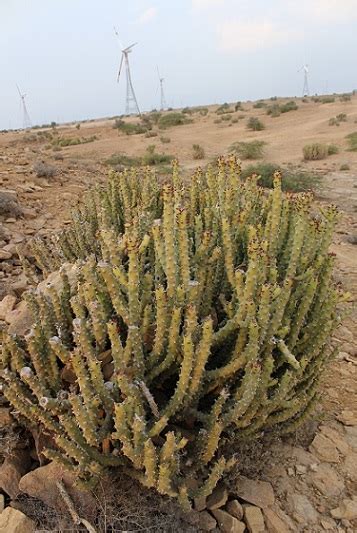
2 503
336 438
328 524
258 493
6 305
327 481
20 320
11 248
351 436
200 503
14 521
344 334
227 522
55 279
346 510
41 484
273 522
254 519
348 418
29 213
235 509
5 417
206 521
20 285
218 498
12 470
324 449
350 466
303 510
4 255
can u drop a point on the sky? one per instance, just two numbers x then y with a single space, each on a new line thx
64 54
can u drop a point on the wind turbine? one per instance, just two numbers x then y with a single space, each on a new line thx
131 101
305 90
26 117
162 94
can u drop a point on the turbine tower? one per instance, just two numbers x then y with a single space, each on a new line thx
162 94
26 117
131 106
305 90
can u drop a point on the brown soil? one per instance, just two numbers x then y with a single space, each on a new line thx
297 469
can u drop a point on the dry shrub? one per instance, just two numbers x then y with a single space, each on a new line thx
315 151
43 170
9 205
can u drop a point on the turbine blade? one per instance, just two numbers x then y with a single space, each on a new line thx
19 90
120 66
129 47
117 34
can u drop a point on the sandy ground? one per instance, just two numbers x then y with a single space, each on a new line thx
48 203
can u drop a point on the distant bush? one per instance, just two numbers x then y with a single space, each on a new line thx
315 151
255 124
305 100
226 117
274 110
223 109
327 99
352 141
217 121
122 161
293 180
341 117
153 158
345 98
248 150
78 126
332 149
150 134
154 116
198 152
345 166
333 122
203 111
72 141
316 99
260 104
58 157
238 106
129 128
235 120
43 170
187 111
173 119
289 106
273 98
165 140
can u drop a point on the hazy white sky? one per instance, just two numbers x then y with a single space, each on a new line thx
64 54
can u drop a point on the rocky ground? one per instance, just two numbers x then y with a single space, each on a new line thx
307 483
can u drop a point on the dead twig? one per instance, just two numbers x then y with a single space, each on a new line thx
70 506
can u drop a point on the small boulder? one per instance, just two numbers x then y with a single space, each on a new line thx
325 449
41 484
6 305
218 498
274 523
254 519
348 418
259 493
5 417
14 521
12 470
20 320
206 521
235 509
347 510
227 523
327 481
